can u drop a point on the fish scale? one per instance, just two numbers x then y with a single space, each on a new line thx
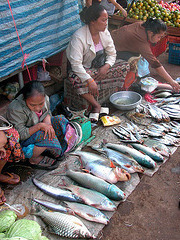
64 225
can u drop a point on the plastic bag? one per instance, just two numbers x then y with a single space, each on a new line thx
148 84
143 67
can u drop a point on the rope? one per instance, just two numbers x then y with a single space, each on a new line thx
25 56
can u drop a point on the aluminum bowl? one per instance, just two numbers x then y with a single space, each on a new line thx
125 100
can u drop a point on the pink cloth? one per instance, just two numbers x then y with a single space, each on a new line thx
98 46
70 137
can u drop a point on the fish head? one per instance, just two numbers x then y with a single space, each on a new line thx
116 193
122 174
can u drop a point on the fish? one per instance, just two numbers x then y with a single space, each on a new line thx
90 181
64 225
149 151
97 165
125 162
87 212
158 146
111 175
57 193
143 159
92 197
54 206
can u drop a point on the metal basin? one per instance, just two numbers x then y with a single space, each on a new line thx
125 100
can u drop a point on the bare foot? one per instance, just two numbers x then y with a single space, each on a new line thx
10 178
2 197
36 160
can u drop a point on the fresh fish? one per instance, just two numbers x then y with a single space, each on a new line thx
158 146
64 225
92 198
127 163
149 151
98 184
97 165
141 158
54 206
57 193
109 174
87 212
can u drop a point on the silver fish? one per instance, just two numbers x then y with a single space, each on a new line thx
98 184
158 146
54 206
92 198
149 151
57 193
109 174
125 162
142 159
64 225
87 212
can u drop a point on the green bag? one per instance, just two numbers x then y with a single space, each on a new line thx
85 126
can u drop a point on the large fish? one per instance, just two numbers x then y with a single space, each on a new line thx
125 162
87 212
92 197
57 193
98 166
98 184
54 206
64 225
158 146
149 151
141 158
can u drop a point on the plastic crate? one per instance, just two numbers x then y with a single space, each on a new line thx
173 39
174 53
160 47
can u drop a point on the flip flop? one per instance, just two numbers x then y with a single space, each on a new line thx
2 196
94 117
46 163
10 178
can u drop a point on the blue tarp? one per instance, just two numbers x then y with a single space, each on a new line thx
44 28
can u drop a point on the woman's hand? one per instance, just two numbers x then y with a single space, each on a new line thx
93 88
175 85
102 72
2 152
48 129
124 13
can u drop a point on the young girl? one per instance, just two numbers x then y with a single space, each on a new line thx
10 151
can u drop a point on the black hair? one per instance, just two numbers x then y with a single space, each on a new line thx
30 89
91 13
155 25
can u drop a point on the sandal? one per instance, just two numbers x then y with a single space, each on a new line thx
2 197
46 163
11 178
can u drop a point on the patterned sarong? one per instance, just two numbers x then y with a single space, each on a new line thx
115 77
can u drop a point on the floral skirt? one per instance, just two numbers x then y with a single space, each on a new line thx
13 148
58 144
115 77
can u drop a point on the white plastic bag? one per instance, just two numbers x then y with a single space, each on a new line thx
148 84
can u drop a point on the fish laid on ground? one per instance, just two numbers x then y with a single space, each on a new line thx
92 197
141 158
90 181
64 225
98 166
125 162
57 193
149 151
158 146
87 212
54 206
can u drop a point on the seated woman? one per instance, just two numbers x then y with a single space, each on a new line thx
10 151
92 57
43 137
133 39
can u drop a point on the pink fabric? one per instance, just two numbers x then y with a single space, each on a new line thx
98 46
70 137
39 114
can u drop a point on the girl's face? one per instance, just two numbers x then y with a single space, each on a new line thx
36 103
101 23
154 38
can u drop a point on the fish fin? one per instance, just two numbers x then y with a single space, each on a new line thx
112 165
85 170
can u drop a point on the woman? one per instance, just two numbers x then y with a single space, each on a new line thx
40 132
10 151
133 40
92 57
